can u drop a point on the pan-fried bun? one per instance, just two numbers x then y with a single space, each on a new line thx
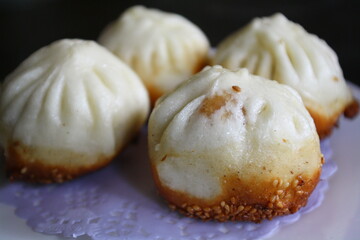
278 49
163 48
67 110
228 145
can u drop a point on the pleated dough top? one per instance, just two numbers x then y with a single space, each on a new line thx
163 48
278 49
72 95
221 123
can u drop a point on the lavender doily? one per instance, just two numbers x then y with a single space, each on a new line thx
120 202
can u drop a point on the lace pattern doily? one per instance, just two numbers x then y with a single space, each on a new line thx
120 202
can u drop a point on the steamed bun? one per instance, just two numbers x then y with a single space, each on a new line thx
163 48
276 48
233 146
67 110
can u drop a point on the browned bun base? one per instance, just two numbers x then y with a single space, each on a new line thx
155 92
25 163
324 125
251 200
352 109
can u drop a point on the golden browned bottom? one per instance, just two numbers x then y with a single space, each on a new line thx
251 200
352 109
33 165
324 125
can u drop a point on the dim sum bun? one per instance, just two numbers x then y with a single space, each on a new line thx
163 48
228 145
67 110
278 49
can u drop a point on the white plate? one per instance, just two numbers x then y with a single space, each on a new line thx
337 218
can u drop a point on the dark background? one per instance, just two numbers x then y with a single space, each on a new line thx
27 25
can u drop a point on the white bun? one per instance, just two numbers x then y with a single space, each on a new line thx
163 48
68 109
234 146
276 48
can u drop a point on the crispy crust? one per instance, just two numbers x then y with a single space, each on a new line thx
352 109
244 200
324 125
23 163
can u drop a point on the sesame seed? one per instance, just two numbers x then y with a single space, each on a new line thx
207 209
286 184
279 204
23 170
196 208
227 208
240 208
247 208
222 204
295 183
217 209
279 192
236 88
280 182
253 210
275 182
190 210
